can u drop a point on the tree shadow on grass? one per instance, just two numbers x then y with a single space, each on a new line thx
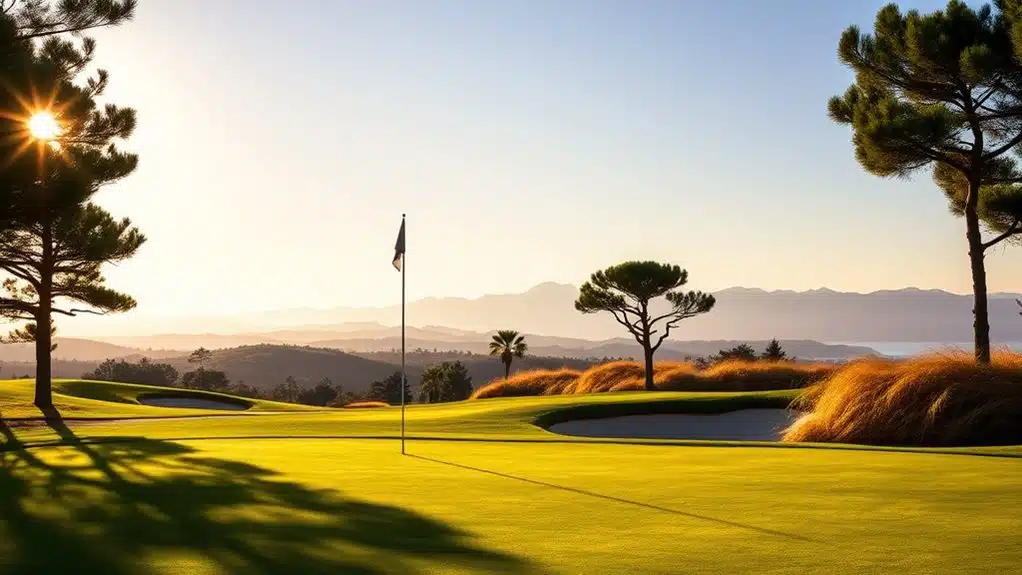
137 505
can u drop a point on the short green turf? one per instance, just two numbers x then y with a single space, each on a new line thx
209 495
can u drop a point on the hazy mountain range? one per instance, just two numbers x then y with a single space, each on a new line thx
354 346
384 340
740 314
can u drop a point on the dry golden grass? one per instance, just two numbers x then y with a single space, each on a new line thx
942 399
667 376
618 376
363 404
535 382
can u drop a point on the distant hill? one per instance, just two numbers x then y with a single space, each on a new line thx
265 366
481 368
261 366
70 348
383 339
904 315
581 349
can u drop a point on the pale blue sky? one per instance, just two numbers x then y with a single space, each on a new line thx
528 141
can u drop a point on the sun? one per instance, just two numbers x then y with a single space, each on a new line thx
43 126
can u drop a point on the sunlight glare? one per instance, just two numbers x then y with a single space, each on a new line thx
43 126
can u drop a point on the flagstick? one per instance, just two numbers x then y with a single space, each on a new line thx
404 264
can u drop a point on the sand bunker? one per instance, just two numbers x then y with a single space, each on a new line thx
192 403
742 425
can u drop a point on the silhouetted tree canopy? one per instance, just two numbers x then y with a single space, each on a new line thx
288 392
206 379
741 352
389 390
626 290
774 352
448 381
943 91
145 372
508 344
322 394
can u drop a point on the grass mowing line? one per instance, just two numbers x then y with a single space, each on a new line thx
617 499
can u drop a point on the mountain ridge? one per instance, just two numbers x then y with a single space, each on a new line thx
821 314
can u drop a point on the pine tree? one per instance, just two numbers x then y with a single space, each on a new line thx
741 352
943 91
625 290
56 259
42 50
53 240
773 352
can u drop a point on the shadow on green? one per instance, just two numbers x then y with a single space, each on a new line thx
115 508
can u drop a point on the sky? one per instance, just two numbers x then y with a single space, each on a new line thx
527 141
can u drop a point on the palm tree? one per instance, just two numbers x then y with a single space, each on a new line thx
508 344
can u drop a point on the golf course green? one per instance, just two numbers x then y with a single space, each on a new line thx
482 488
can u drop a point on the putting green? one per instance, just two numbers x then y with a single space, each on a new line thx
489 493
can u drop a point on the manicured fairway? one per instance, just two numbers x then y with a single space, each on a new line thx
206 496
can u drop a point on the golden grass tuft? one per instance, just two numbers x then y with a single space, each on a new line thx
667 376
365 404
940 399
763 375
534 382
605 376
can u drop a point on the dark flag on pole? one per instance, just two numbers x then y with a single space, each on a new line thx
399 260
399 248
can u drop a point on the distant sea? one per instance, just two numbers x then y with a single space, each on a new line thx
907 348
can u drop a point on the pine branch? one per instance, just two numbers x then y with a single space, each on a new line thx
18 270
15 306
631 327
1015 228
1003 148
37 21
75 311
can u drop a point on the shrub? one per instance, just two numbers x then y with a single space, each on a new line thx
942 399
534 382
364 404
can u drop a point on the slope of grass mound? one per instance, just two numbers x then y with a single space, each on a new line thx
668 376
944 399
102 399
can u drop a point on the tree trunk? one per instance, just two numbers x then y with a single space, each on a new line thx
43 320
647 351
43 372
507 369
981 320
